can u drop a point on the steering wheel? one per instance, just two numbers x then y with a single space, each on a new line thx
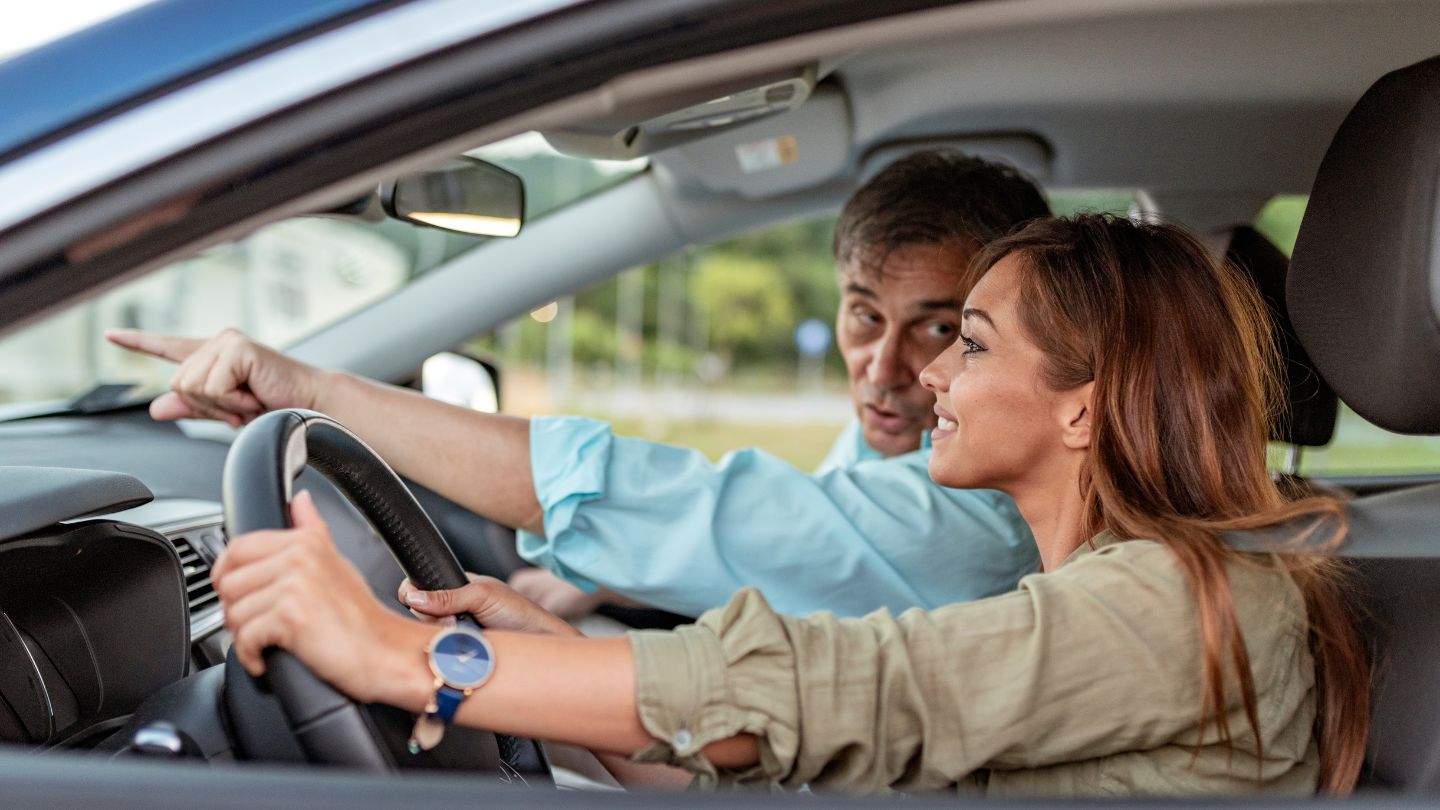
260 471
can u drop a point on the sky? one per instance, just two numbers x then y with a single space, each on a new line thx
27 25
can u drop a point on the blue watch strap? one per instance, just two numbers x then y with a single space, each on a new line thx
447 702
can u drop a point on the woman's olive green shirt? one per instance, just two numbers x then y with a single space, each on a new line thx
1084 681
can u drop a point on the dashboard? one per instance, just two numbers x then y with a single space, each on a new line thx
108 620
91 623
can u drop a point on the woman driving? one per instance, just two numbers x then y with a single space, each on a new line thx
1114 380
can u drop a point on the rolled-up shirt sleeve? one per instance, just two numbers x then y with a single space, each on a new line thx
666 526
569 458
1100 658
732 673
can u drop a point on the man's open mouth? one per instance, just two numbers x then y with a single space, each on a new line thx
886 420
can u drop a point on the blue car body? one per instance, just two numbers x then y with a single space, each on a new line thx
69 82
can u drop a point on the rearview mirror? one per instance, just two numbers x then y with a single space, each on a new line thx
464 194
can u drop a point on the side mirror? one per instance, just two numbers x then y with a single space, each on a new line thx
464 194
461 380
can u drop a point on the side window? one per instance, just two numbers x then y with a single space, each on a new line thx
698 349
703 348
1358 448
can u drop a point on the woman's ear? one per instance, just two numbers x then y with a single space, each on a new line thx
1077 405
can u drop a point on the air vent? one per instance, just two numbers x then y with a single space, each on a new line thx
197 576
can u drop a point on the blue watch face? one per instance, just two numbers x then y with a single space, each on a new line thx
462 660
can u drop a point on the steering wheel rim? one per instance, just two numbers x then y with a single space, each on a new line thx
256 489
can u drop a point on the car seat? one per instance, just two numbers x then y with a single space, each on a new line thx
1364 296
1309 408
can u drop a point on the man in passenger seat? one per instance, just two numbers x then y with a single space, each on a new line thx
663 525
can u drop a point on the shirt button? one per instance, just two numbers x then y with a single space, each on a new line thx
682 739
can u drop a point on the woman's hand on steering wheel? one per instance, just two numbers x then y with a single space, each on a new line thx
293 589
494 605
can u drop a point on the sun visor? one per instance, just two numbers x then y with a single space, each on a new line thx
1364 282
800 149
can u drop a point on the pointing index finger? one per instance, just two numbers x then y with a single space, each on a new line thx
168 347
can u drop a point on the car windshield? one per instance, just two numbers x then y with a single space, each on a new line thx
281 283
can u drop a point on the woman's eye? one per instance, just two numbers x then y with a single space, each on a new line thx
971 346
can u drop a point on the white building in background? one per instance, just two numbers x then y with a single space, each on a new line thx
279 284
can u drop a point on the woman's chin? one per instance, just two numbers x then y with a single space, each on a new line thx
949 474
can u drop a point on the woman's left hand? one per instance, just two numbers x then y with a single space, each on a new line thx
291 588
492 603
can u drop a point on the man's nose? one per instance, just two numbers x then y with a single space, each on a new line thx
887 367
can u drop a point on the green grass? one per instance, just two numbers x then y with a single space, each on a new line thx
1374 453
802 445
1358 449
1396 459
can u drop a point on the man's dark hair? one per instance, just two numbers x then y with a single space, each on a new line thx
937 196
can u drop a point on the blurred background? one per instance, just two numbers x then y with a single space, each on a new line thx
723 346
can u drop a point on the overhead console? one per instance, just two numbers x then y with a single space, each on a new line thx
653 123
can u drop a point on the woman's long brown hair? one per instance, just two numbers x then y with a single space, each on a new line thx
1180 349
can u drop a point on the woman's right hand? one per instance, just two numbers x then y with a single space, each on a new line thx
227 377
494 604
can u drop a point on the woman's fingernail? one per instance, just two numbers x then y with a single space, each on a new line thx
417 599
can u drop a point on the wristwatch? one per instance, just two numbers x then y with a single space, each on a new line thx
462 659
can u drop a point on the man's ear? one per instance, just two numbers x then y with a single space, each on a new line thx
1076 408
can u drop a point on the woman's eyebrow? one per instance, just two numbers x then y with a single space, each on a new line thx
979 314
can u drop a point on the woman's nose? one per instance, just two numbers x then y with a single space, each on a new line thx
936 375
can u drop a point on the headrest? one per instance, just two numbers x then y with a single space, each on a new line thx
1310 405
1364 286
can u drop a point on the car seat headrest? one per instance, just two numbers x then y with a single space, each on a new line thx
1310 405
1364 283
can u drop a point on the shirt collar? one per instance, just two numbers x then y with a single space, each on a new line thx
1094 544
850 449
864 452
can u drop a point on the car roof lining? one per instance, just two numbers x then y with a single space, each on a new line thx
957 75
1236 155
705 217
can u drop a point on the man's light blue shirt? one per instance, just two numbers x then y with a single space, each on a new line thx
668 527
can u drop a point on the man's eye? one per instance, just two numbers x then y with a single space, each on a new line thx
865 317
941 329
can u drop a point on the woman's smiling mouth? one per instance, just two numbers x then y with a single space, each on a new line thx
945 425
